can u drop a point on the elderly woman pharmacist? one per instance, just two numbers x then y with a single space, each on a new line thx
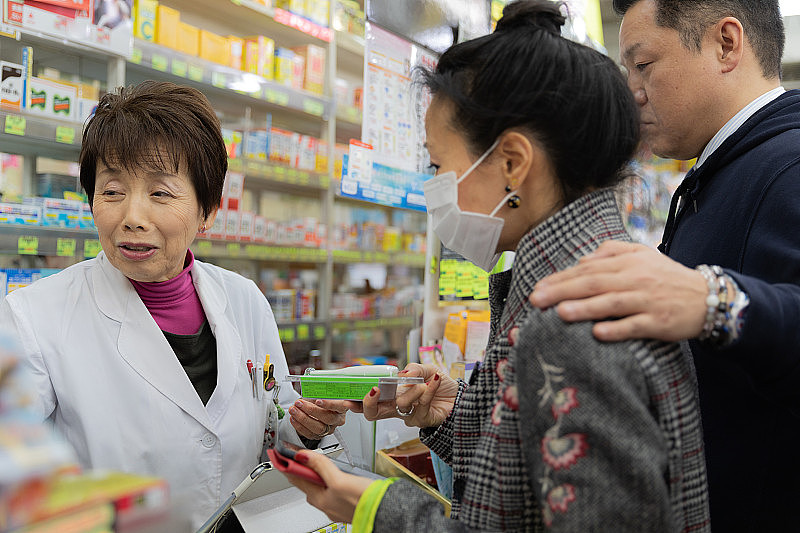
528 132
140 355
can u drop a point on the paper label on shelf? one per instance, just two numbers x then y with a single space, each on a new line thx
203 247
195 73
288 334
319 332
65 247
65 134
91 247
313 107
15 125
277 97
218 79
27 245
159 62
136 56
179 68
233 249
303 332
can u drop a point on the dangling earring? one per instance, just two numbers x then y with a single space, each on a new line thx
203 228
514 201
508 188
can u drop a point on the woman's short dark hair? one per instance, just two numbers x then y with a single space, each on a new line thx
159 126
761 20
571 99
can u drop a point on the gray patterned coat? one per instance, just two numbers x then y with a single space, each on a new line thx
558 431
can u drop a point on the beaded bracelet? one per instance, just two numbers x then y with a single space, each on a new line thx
724 314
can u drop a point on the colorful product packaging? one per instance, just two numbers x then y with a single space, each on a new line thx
314 67
317 11
11 85
167 21
284 66
307 153
259 54
257 145
53 99
214 48
246 230
20 214
188 39
144 19
298 72
235 52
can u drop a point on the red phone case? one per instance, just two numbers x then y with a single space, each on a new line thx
290 466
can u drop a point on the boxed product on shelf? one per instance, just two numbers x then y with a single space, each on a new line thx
313 75
167 20
298 71
214 48
86 220
298 7
284 66
283 146
317 11
246 226
257 144
52 99
188 39
307 153
232 190
233 142
144 19
217 229
322 156
57 212
231 224
305 307
282 302
11 86
20 214
235 52
259 56
259 229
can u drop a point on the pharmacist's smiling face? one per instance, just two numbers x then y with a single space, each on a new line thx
146 219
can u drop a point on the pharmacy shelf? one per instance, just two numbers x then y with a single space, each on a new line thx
248 17
33 38
280 174
248 86
221 249
350 54
302 331
22 239
26 133
385 258
339 325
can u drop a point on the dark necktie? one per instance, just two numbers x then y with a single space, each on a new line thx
684 190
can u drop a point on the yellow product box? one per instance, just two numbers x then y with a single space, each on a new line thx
298 7
314 68
214 47
322 156
317 11
298 72
284 66
235 52
144 19
259 56
167 21
188 39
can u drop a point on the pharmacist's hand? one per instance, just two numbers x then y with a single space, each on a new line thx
339 497
653 296
314 419
429 403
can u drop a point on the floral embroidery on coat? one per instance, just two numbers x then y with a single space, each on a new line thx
559 452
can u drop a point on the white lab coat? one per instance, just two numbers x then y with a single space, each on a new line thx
110 382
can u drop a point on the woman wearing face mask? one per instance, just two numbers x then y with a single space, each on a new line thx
556 431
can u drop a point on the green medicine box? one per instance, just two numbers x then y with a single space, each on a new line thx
349 387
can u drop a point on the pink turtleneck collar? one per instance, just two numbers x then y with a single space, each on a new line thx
174 304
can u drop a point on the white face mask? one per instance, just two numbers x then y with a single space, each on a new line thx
473 235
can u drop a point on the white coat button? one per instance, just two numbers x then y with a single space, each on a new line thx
208 440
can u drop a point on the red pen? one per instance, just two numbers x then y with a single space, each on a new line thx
250 366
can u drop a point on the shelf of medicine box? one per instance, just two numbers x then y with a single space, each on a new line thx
21 239
348 124
479 305
27 134
231 249
247 17
279 174
412 259
302 331
209 75
33 38
372 323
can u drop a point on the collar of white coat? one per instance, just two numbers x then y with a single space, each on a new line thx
112 289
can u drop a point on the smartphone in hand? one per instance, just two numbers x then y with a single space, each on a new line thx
282 458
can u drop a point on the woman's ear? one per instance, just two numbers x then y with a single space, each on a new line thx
209 220
517 155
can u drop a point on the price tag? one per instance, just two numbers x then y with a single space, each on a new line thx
203 247
15 125
233 249
136 56
179 68
91 247
196 73
313 107
275 96
159 62
324 181
218 80
303 332
27 245
289 335
65 247
319 332
65 134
